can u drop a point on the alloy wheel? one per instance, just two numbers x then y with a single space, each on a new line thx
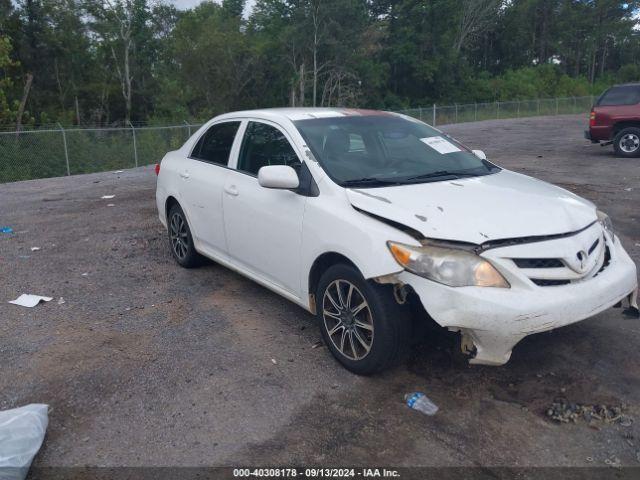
629 143
179 235
347 319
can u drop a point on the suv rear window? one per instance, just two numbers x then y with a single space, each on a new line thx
623 95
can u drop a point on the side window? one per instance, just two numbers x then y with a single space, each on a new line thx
215 145
623 95
265 145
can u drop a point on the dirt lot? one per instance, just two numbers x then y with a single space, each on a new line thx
149 364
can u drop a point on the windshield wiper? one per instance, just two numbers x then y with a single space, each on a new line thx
443 173
369 180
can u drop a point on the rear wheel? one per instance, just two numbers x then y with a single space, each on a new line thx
180 239
361 323
627 142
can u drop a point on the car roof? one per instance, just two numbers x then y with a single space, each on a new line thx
304 113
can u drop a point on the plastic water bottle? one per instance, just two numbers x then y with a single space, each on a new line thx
419 401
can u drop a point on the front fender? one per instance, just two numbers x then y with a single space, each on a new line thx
333 225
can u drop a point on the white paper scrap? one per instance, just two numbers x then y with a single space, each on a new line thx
35 249
28 300
107 197
440 145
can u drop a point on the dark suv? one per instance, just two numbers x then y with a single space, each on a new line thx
615 118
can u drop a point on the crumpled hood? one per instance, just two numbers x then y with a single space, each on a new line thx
478 209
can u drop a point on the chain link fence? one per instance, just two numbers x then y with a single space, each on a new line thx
55 151
472 112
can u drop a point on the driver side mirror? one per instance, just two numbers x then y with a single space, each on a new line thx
278 176
480 154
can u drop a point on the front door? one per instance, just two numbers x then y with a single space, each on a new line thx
264 226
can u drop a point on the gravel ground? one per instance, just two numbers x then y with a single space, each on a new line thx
146 363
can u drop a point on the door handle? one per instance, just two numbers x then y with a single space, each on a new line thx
184 174
232 190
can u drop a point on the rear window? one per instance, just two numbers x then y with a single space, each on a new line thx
623 95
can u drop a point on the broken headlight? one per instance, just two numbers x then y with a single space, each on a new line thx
450 266
605 221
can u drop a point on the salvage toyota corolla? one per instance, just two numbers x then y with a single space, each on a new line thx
352 214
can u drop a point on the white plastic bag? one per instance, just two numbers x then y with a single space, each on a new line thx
21 434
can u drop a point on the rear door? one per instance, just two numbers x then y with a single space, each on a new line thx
264 226
203 178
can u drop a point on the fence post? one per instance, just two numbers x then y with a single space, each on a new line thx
574 105
135 145
538 107
456 120
188 127
66 151
434 115
497 110
556 105
475 111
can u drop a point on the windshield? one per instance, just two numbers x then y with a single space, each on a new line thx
377 150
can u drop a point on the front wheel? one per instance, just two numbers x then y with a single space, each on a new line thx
627 142
361 323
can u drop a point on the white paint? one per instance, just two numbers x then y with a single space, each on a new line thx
477 209
278 176
274 236
440 145
107 197
30 301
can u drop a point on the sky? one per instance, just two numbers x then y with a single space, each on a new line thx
184 4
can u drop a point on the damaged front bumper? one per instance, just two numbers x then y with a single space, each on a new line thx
496 319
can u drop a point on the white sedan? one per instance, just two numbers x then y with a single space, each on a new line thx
363 216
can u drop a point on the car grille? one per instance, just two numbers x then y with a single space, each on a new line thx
549 283
591 257
538 262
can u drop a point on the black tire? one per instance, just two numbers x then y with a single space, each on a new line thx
180 239
390 322
627 142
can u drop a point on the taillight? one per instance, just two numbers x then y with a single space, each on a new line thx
592 118
157 169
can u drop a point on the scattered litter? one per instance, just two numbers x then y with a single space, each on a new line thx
626 420
28 300
612 461
61 301
111 204
22 431
317 344
118 171
419 401
6 230
589 459
85 274
637 244
565 412
35 249
628 189
273 360
107 197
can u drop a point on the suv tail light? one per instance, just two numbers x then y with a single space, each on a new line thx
592 118
157 169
